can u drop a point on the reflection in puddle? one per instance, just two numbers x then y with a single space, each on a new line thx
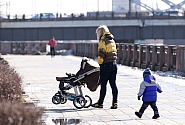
66 121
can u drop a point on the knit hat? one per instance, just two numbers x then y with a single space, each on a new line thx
146 72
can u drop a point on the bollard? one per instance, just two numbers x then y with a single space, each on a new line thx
180 58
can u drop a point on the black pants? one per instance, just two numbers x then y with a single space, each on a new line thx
52 51
145 105
108 72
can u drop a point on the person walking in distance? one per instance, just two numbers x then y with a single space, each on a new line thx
53 44
107 56
148 90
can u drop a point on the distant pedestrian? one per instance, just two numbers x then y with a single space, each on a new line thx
107 56
52 44
148 90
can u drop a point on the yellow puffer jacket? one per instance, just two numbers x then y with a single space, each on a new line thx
107 51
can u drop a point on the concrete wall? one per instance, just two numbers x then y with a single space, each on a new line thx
122 29
175 42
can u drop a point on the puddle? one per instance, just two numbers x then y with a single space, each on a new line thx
63 121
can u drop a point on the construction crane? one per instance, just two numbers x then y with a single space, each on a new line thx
175 6
171 4
172 11
147 7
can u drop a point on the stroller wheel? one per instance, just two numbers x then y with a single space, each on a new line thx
63 100
56 99
79 102
88 101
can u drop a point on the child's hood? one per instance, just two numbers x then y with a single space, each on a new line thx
150 79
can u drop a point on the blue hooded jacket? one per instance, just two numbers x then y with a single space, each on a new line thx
149 88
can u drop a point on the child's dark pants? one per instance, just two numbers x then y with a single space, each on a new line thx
145 105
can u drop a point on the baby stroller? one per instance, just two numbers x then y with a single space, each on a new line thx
87 75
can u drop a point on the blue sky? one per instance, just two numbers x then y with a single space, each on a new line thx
30 7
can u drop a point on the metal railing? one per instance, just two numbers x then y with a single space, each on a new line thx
107 15
161 58
156 57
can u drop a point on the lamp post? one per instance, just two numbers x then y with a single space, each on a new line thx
98 5
129 12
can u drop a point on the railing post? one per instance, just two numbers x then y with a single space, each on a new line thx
154 58
143 56
0 50
180 59
127 61
169 59
147 55
119 52
76 48
93 51
160 59
81 49
124 54
96 52
140 56
134 55
88 50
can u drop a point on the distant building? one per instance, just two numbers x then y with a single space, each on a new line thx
123 6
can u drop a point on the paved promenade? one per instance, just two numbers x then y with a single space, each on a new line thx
39 83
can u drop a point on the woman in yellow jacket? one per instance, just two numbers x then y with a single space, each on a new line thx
107 55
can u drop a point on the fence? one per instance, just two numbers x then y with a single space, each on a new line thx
162 58
7 47
98 15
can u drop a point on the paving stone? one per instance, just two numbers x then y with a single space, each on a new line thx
39 83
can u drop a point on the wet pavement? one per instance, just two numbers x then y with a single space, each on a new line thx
39 83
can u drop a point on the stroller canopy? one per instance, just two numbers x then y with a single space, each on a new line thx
90 71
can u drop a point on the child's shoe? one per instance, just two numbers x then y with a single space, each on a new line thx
155 116
138 114
96 105
114 106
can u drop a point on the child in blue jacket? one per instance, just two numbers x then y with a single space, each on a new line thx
148 90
